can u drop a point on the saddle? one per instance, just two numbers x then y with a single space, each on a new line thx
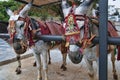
111 28
55 28
51 28
112 32
48 28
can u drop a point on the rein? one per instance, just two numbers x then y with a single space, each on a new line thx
86 39
27 30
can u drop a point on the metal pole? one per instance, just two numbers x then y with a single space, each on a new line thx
103 7
111 40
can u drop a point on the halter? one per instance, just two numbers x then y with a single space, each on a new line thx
11 31
71 28
86 40
27 30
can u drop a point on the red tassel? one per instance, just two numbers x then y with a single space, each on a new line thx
118 56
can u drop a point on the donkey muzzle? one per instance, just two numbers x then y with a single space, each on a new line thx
75 55
19 47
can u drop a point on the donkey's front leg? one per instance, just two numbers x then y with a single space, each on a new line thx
115 76
39 66
18 69
45 64
90 68
64 55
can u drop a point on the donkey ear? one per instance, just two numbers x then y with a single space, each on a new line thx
26 8
31 1
9 12
81 0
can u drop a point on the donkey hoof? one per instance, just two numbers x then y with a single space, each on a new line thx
49 62
63 67
34 64
115 77
18 71
91 75
39 78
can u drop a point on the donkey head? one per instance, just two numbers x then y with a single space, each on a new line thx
75 52
16 28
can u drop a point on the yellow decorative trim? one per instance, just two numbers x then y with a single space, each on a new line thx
68 34
67 44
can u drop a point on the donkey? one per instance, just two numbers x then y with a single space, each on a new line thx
87 30
24 32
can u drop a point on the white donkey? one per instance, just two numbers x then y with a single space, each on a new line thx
23 32
88 29
16 30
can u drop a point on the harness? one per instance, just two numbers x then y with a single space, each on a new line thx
73 34
30 31
27 31
45 28
88 35
71 29
11 31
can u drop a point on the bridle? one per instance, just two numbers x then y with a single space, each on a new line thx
87 36
27 40
27 29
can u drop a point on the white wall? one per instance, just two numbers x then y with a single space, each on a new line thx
116 3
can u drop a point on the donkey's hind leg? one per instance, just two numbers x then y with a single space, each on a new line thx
115 76
64 55
18 69
49 61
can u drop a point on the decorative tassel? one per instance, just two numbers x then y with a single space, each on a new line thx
67 44
118 56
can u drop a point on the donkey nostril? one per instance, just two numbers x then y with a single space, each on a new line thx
17 46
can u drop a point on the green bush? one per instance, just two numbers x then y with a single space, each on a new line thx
13 5
53 10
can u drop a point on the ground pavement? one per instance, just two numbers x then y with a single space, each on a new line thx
7 54
74 72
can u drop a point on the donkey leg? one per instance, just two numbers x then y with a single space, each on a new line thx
115 76
97 70
39 66
63 66
18 69
34 64
90 69
49 61
64 55
45 64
